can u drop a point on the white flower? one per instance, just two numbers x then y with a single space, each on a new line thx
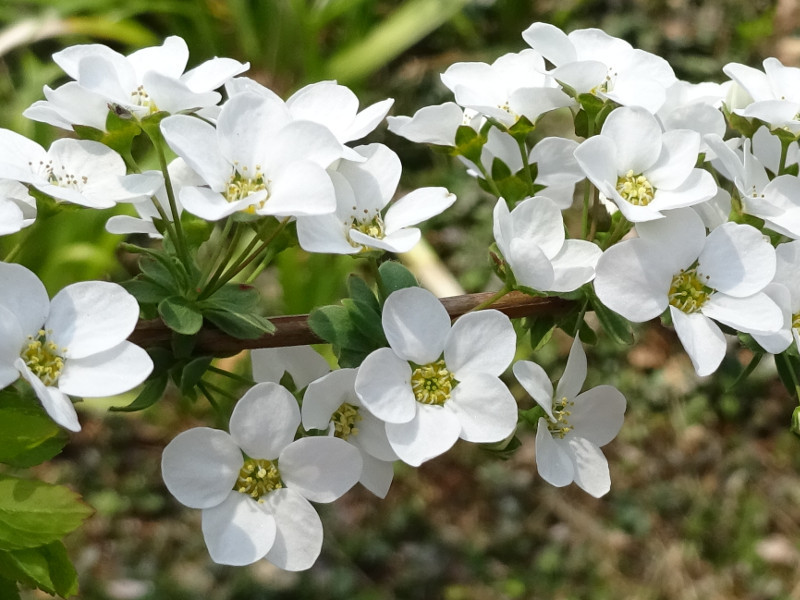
437 383
435 124
75 345
256 160
77 171
694 106
568 441
363 189
775 93
327 103
513 86
590 60
303 363
532 241
643 170
785 291
330 403
147 81
699 278
17 207
777 200
253 485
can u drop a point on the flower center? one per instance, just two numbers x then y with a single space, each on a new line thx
373 227
636 189
258 477
242 184
59 176
43 358
140 97
559 426
432 383
796 321
688 293
344 421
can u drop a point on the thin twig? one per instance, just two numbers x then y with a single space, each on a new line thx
293 330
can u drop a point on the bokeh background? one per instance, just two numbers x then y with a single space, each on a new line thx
705 499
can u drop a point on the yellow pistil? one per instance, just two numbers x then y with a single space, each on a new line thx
258 477
140 97
687 292
559 426
796 321
241 184
636 189
344 421
432 383
44 358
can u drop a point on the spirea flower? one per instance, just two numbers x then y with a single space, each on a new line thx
74 345
331 404
303 363
775 93
532 241
254 484
576 426
363 190
17 207
257 160
78 171
147 81
437 383
700 278
643 170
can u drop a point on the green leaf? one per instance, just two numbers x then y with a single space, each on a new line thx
232 297
500 169
146 292
334 325
617 327
244 326
46 567
367 321
195 230
180 315
788 367
469 143
29 436
393 277
541 329
159 271
152 392
33 513
8 589
361 292
192 372
513 188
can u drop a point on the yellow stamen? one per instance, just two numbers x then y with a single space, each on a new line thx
432 383
636 189
687 292
258 477
44 358
344 421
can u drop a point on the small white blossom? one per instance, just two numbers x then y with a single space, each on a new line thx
577 425
437 383
74 345
254 484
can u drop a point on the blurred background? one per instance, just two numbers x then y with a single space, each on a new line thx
705 499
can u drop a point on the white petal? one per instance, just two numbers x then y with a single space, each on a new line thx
737 260
757 313
56 404
432 432
301 188
327 394
574 375
239 531
530 264
265 420
196 142
678 156
430 124
377 475
324 234
637 138
303 363
368 119
200 467
420 205
416 325
485 408
322 469
383 385
298 540
591 467
480 342
106 373
533 378
552 460
574 265
371 437
598 414
701 338
91 316
24 295
551 42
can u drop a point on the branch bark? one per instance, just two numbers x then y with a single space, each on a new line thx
293 330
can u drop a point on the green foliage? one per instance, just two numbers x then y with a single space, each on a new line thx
45 567
33 513
393 276
28 435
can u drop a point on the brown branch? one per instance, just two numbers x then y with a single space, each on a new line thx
293 330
